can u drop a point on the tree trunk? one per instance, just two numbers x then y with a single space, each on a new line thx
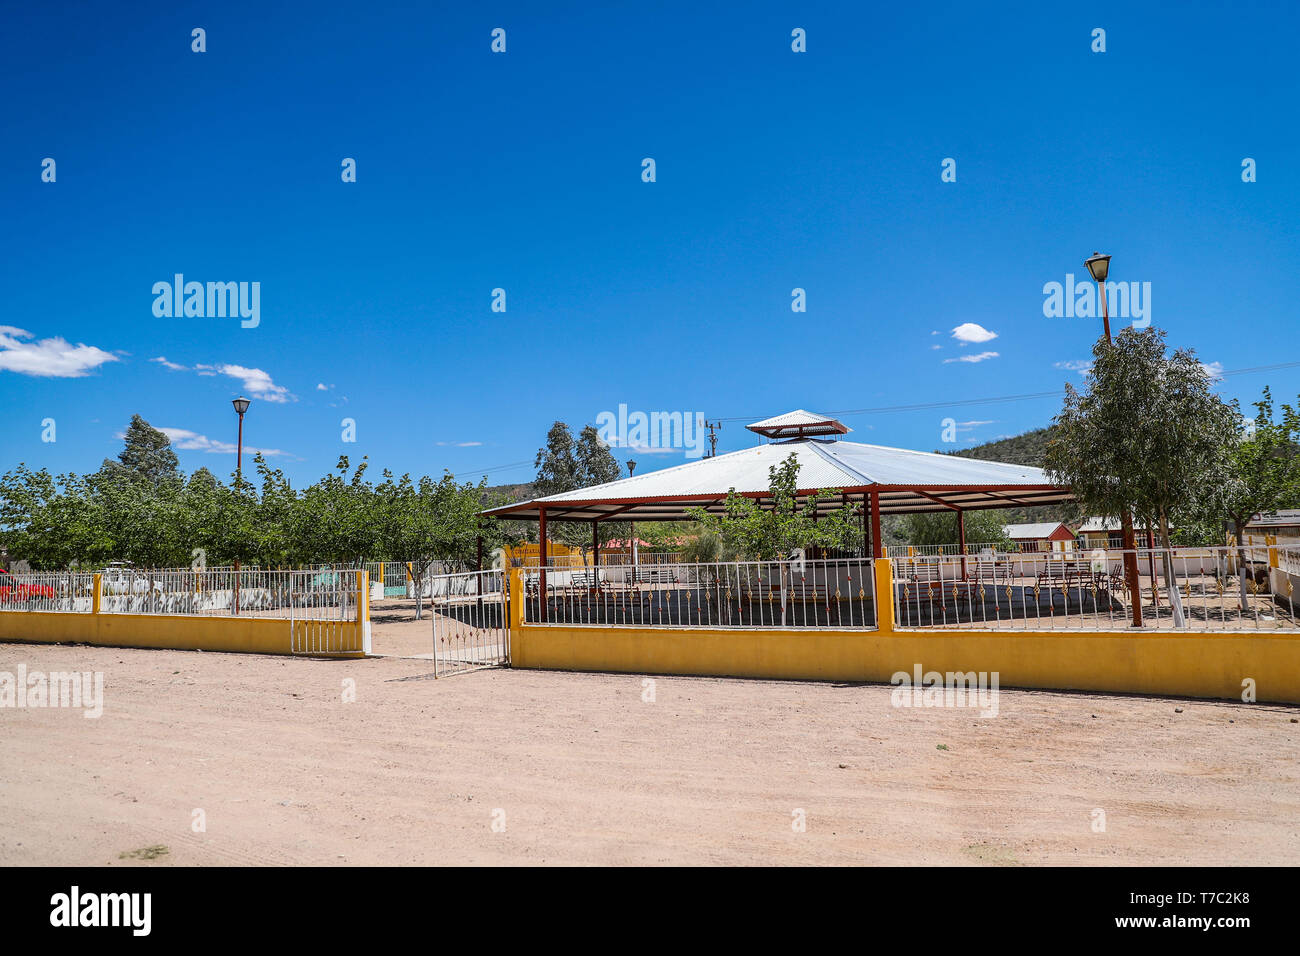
1239 530
1171 579
418 581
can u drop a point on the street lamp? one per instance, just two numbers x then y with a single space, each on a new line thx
241 405
1099 268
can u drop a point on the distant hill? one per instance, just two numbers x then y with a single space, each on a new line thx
511 493
1027 449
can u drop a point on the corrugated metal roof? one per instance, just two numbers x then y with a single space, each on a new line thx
1039 529
899 474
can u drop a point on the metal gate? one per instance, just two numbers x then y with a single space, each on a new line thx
471 621
327 612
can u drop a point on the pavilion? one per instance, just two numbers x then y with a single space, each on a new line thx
884 480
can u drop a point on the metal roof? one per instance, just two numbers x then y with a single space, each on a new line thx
1033 530
908 482
799 424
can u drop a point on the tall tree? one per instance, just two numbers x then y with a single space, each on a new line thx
147 454
566 465
1147 434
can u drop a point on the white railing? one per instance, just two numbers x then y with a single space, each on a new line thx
470 613
65 591
830 593
1195 589
922 550
326 595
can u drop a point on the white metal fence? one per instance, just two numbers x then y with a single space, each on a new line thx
471 621
328 595
323 595
1209 589
66 591
830 593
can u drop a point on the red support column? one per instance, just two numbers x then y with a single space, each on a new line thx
877 546
542 559
961 539
866 533
595 549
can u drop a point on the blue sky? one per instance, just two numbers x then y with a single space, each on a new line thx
775 170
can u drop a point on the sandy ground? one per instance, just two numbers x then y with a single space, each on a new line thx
582 770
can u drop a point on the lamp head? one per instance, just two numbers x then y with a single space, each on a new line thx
1098 265
241 405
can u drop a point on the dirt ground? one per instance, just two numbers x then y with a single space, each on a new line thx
580 769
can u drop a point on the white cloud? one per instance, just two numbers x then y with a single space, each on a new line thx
322 387
933 347
460 444
969 332
1212 369
48 358
186 440
255 382
962 426
1082 366
982 356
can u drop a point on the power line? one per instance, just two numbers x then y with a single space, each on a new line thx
1000 399
920 406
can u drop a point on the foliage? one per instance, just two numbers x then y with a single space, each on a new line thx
139 508
1147 435
982 527
1264 465
747 529
566 465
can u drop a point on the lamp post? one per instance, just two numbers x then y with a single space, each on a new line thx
241 405
1099 268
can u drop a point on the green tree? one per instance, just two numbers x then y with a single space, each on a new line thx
567 465
747 528
1147 434
1264 472
147 454
982 527
427 521
334 519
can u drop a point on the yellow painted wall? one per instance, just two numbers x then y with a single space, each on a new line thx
1191 665
247 634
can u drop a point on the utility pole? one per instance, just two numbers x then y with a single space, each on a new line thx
713 439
